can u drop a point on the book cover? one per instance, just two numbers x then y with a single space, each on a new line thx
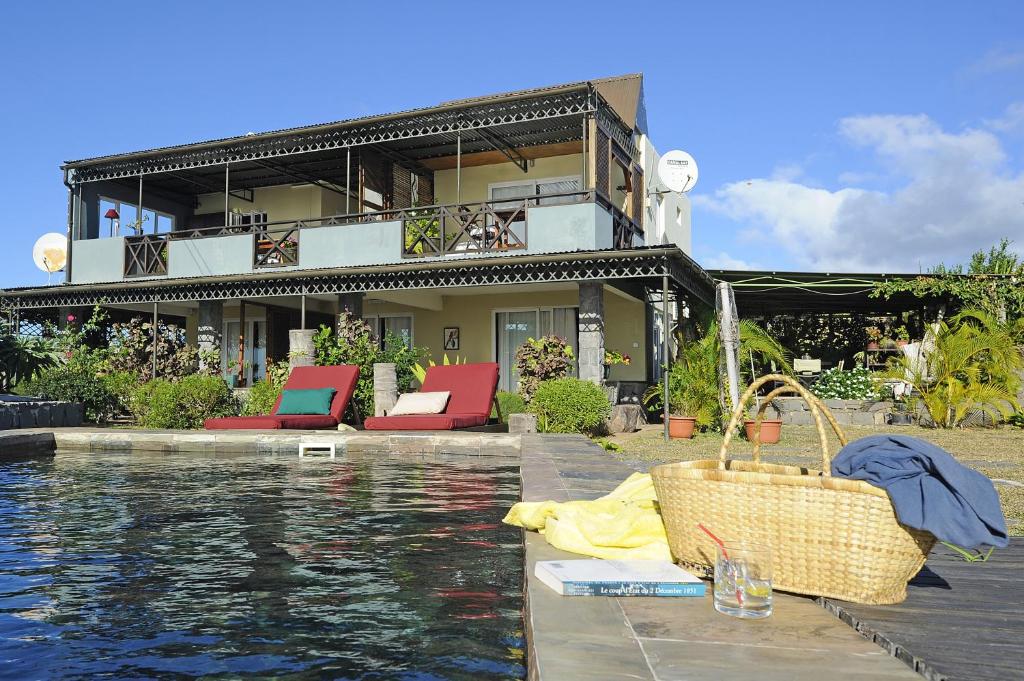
618 578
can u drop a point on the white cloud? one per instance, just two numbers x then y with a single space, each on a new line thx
1012 119
724 261
997 60
956 197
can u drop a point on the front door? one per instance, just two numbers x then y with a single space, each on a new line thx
513 328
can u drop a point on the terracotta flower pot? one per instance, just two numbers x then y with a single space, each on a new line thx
872 345
681 427
771 430
901 343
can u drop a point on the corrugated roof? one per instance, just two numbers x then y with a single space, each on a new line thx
614 85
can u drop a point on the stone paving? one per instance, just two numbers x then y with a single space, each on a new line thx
659 639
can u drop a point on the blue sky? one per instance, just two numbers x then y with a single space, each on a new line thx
870 135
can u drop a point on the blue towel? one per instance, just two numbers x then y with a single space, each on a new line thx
929 489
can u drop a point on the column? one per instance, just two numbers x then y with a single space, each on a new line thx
591 330
210 327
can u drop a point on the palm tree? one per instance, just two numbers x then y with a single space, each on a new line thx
22 357
974 366
694 376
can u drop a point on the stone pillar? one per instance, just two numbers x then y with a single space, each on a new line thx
591 330
351 303
385 388
210 328
300 348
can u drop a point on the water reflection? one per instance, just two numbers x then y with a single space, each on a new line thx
185 565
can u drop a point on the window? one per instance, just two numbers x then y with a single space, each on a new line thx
399 325
153 221
513 327
528 188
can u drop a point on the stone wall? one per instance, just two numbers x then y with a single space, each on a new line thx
847 412
27 412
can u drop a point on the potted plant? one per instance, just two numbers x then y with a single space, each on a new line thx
692 393
613 357
874 335
902 336
771 430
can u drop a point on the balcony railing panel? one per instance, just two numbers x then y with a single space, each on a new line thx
276 248
145 256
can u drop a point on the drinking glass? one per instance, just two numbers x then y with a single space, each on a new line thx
743 580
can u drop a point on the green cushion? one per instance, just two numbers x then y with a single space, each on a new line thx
308 401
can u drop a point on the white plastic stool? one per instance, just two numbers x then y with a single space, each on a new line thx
305 447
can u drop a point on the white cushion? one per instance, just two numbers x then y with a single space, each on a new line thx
420 403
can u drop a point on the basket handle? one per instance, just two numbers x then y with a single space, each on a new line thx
790 386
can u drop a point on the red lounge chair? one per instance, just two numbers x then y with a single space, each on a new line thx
342 378
472 388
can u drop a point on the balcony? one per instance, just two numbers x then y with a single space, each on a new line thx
552 223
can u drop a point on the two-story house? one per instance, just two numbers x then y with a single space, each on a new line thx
465 227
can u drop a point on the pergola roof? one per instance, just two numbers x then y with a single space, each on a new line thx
769 292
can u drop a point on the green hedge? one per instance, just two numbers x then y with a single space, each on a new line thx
182 405
569 405
510 403
75 383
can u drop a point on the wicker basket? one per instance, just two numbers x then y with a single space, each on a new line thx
829 536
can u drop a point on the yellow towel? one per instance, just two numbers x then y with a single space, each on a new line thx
623 525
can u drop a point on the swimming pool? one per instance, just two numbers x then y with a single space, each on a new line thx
144 564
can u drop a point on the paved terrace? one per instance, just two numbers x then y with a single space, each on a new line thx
945 633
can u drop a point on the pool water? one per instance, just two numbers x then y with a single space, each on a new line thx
181 565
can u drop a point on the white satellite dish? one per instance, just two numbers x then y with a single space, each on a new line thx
50 252
677 170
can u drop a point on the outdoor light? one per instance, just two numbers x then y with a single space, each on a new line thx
113 216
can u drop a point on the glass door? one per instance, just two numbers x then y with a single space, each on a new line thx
255 359
513 328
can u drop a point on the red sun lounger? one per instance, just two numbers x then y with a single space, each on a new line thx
472 388
342 378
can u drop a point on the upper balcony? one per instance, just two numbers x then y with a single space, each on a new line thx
544 171
547 223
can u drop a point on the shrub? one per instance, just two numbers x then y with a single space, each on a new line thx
569 405
355 343
131 350
264 393
182 405
121 384
510 403
74 383
22 358
855 384
542 359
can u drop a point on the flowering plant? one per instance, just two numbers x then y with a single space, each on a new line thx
615 357
874 333
856 384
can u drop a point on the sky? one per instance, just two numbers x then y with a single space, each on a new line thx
868 136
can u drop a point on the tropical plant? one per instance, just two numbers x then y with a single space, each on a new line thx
353 342
182 404
973 366
542 359
856 384
613 357
264 393
131 350
420 372
570 405
23 357
694 378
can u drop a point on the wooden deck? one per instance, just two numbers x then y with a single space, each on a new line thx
961 621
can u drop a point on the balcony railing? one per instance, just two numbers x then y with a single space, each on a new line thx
425 232
146 255
486 227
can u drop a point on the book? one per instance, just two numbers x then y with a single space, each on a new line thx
617 578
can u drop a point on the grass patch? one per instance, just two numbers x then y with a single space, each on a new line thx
997 452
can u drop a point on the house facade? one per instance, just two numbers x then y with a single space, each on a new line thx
465 228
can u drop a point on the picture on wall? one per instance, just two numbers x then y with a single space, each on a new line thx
451 338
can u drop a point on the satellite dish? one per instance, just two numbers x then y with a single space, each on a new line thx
677 170
50 252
